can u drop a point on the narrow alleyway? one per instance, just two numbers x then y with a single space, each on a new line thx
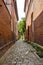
20 53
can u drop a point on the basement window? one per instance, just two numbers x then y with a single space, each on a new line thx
0 5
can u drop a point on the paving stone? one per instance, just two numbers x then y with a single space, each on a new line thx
20 53
31 63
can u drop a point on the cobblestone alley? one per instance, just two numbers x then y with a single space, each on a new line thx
20 53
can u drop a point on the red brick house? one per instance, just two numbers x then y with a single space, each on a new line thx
8 21
34 20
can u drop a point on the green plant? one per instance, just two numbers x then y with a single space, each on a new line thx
38 50
22 27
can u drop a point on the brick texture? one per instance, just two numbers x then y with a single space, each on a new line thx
8 22
34 21
5 31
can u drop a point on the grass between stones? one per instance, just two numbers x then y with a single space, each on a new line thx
37 47
39 51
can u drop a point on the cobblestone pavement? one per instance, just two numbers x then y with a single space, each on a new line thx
20 53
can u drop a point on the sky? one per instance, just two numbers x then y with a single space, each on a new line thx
20 6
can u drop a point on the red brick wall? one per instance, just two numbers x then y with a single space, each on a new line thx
29 24
5 27
14 20
39 29
38 21
35 23
12 9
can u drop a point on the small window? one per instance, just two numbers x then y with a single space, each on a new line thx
0 5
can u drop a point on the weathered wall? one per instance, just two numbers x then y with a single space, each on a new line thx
35 21
5 27
37 8
11 5
29 23
38 21
39 29
14 20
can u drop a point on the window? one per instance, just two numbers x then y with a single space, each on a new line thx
0 5
8 5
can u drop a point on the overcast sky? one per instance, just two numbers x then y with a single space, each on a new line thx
20 5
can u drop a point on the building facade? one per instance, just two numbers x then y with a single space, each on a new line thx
12 7
8 21
34 20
